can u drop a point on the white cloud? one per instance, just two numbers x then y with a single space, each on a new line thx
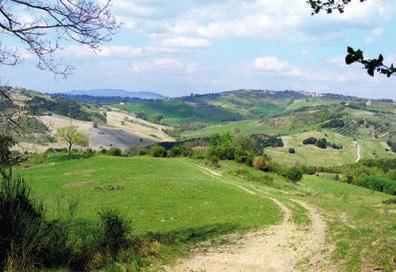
164 65
185 42
273 64
120 51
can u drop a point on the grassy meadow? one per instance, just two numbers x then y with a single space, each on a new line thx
157 195
186 199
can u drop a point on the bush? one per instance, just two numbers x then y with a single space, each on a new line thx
213 161
114 151
294 174
221 146
308 170
310 140
292 151
322 143
26 238
158 151
377 183
260 163
116 232
179 151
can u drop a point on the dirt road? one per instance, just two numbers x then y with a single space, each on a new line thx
282 247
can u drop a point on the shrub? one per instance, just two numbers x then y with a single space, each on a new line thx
377 183
116 232
308 170
221 146
26 238
213 160
322 143
158 151
178 151
260 163
292 151
294 174
114 151
310 140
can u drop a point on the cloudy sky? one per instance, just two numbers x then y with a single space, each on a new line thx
183 46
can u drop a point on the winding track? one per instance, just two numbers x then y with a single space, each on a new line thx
358 157
281 247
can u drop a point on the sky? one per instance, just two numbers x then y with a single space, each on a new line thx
198 46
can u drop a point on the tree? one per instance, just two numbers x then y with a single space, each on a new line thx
52 22
6 159
353 56
70 135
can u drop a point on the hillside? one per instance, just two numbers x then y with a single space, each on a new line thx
287 224
369 125
105 128
115 93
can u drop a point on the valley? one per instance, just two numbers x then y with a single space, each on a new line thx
234 181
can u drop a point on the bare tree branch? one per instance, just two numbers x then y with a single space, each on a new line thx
53 21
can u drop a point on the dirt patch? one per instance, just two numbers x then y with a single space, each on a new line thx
80 172
110 188
80 184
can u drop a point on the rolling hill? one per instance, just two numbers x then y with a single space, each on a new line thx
116 93
354 122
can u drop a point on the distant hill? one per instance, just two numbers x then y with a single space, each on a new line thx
116 93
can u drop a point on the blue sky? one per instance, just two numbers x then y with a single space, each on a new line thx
184 46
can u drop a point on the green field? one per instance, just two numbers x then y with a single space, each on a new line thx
283 124
158 195
184 196
177 112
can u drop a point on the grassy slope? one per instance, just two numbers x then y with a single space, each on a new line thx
361 228
176 112
174 195
158 195
312 155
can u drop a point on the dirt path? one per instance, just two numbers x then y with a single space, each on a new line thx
358 157
281 247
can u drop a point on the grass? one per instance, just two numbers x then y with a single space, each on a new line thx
180 199
361 225
177 112
312 155
157 195
278 125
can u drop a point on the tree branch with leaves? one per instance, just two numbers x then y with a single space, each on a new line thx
353 56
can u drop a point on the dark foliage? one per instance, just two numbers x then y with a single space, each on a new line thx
334 123
100 100
392 145
114 151
353 56
27 239
294 174
321 143
116 232
6 159
61 106
158 151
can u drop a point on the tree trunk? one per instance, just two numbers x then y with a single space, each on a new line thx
70 149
